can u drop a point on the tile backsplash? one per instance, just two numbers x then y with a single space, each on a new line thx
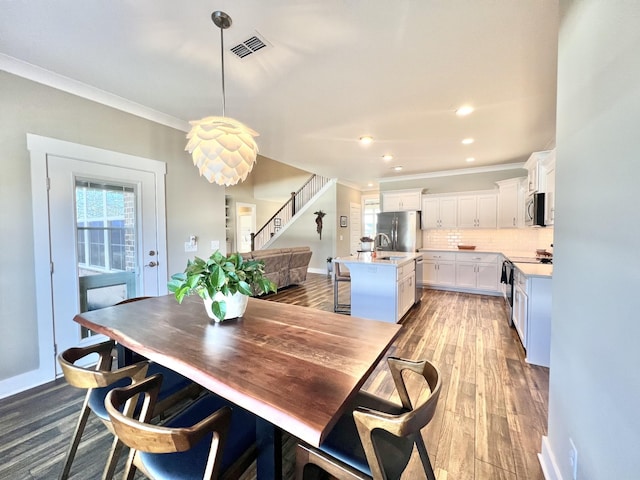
515 241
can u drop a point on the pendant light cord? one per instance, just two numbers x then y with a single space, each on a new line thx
222 57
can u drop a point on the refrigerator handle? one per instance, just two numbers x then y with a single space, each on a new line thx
394 246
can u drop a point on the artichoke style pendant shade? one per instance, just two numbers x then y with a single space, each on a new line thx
223 149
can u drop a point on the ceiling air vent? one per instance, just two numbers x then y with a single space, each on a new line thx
249 46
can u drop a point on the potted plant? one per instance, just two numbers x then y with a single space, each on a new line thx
224 283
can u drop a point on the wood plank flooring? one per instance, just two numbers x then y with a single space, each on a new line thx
490 419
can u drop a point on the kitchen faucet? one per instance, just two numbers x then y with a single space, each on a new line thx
385 237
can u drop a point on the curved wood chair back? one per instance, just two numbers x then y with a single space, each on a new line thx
407 424
140 435
383 428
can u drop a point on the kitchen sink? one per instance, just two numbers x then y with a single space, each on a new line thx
393 257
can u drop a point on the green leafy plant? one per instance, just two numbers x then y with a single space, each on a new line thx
218 273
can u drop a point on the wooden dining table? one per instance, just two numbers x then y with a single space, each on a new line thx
295 368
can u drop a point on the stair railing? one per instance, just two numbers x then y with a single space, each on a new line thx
284 215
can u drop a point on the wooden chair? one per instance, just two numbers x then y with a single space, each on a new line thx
340 276
207 439
375 437
100 380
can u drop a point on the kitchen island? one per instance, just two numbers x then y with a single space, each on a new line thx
382 287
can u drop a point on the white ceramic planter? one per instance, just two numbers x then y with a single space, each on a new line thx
236 305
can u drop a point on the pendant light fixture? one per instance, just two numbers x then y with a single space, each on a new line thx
223 149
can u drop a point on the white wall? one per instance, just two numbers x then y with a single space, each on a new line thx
193 205
594 394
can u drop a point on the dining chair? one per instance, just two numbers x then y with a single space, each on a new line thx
340 275
374 439
99 380
207 440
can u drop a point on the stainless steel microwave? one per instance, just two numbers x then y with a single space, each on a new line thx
534 210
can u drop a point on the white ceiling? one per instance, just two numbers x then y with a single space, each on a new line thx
333 70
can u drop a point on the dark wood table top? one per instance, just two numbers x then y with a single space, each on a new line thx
294 366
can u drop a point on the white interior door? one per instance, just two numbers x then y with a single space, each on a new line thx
245 225
103 237
355 214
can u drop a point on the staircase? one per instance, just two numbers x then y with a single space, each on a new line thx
288 211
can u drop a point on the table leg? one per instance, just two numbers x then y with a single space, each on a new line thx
269 442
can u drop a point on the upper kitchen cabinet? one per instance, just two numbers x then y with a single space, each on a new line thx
439 211
549 165
535 171
511 202
401 200
478 211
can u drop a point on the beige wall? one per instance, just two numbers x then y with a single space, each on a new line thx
303 232
346 196
455 183
193 205
268 187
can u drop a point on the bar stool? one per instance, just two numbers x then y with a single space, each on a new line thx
340 276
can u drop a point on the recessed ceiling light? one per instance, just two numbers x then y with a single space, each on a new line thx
468 141
471 159
464 110
366 139
369 184
397 168
387 157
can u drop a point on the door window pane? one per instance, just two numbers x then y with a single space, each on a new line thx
106 243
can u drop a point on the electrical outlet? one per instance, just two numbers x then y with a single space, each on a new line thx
573 459
189 247
215 244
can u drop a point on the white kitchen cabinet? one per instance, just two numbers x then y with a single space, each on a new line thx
406 289
402 200
439 211
550 188
478 211
439 269
536 171
511 202
477 271
532 316
520 309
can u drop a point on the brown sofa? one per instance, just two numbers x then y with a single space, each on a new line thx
284 266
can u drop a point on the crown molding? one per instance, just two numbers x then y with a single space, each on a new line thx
450 173
46 77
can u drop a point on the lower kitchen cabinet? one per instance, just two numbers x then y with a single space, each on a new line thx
532 316
406 289
477 271
439 269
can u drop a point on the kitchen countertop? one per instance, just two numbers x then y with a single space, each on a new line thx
528 269
535 269
366 257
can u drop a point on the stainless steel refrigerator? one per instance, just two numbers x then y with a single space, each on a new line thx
398 231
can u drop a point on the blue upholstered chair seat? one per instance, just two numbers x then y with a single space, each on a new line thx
172 382
190 464
343 442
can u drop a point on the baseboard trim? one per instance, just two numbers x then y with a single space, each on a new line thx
548 463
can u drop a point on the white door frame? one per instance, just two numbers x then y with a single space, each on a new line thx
40 147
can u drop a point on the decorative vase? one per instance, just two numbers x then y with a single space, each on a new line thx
236 305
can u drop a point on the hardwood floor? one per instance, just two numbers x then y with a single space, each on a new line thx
490 419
